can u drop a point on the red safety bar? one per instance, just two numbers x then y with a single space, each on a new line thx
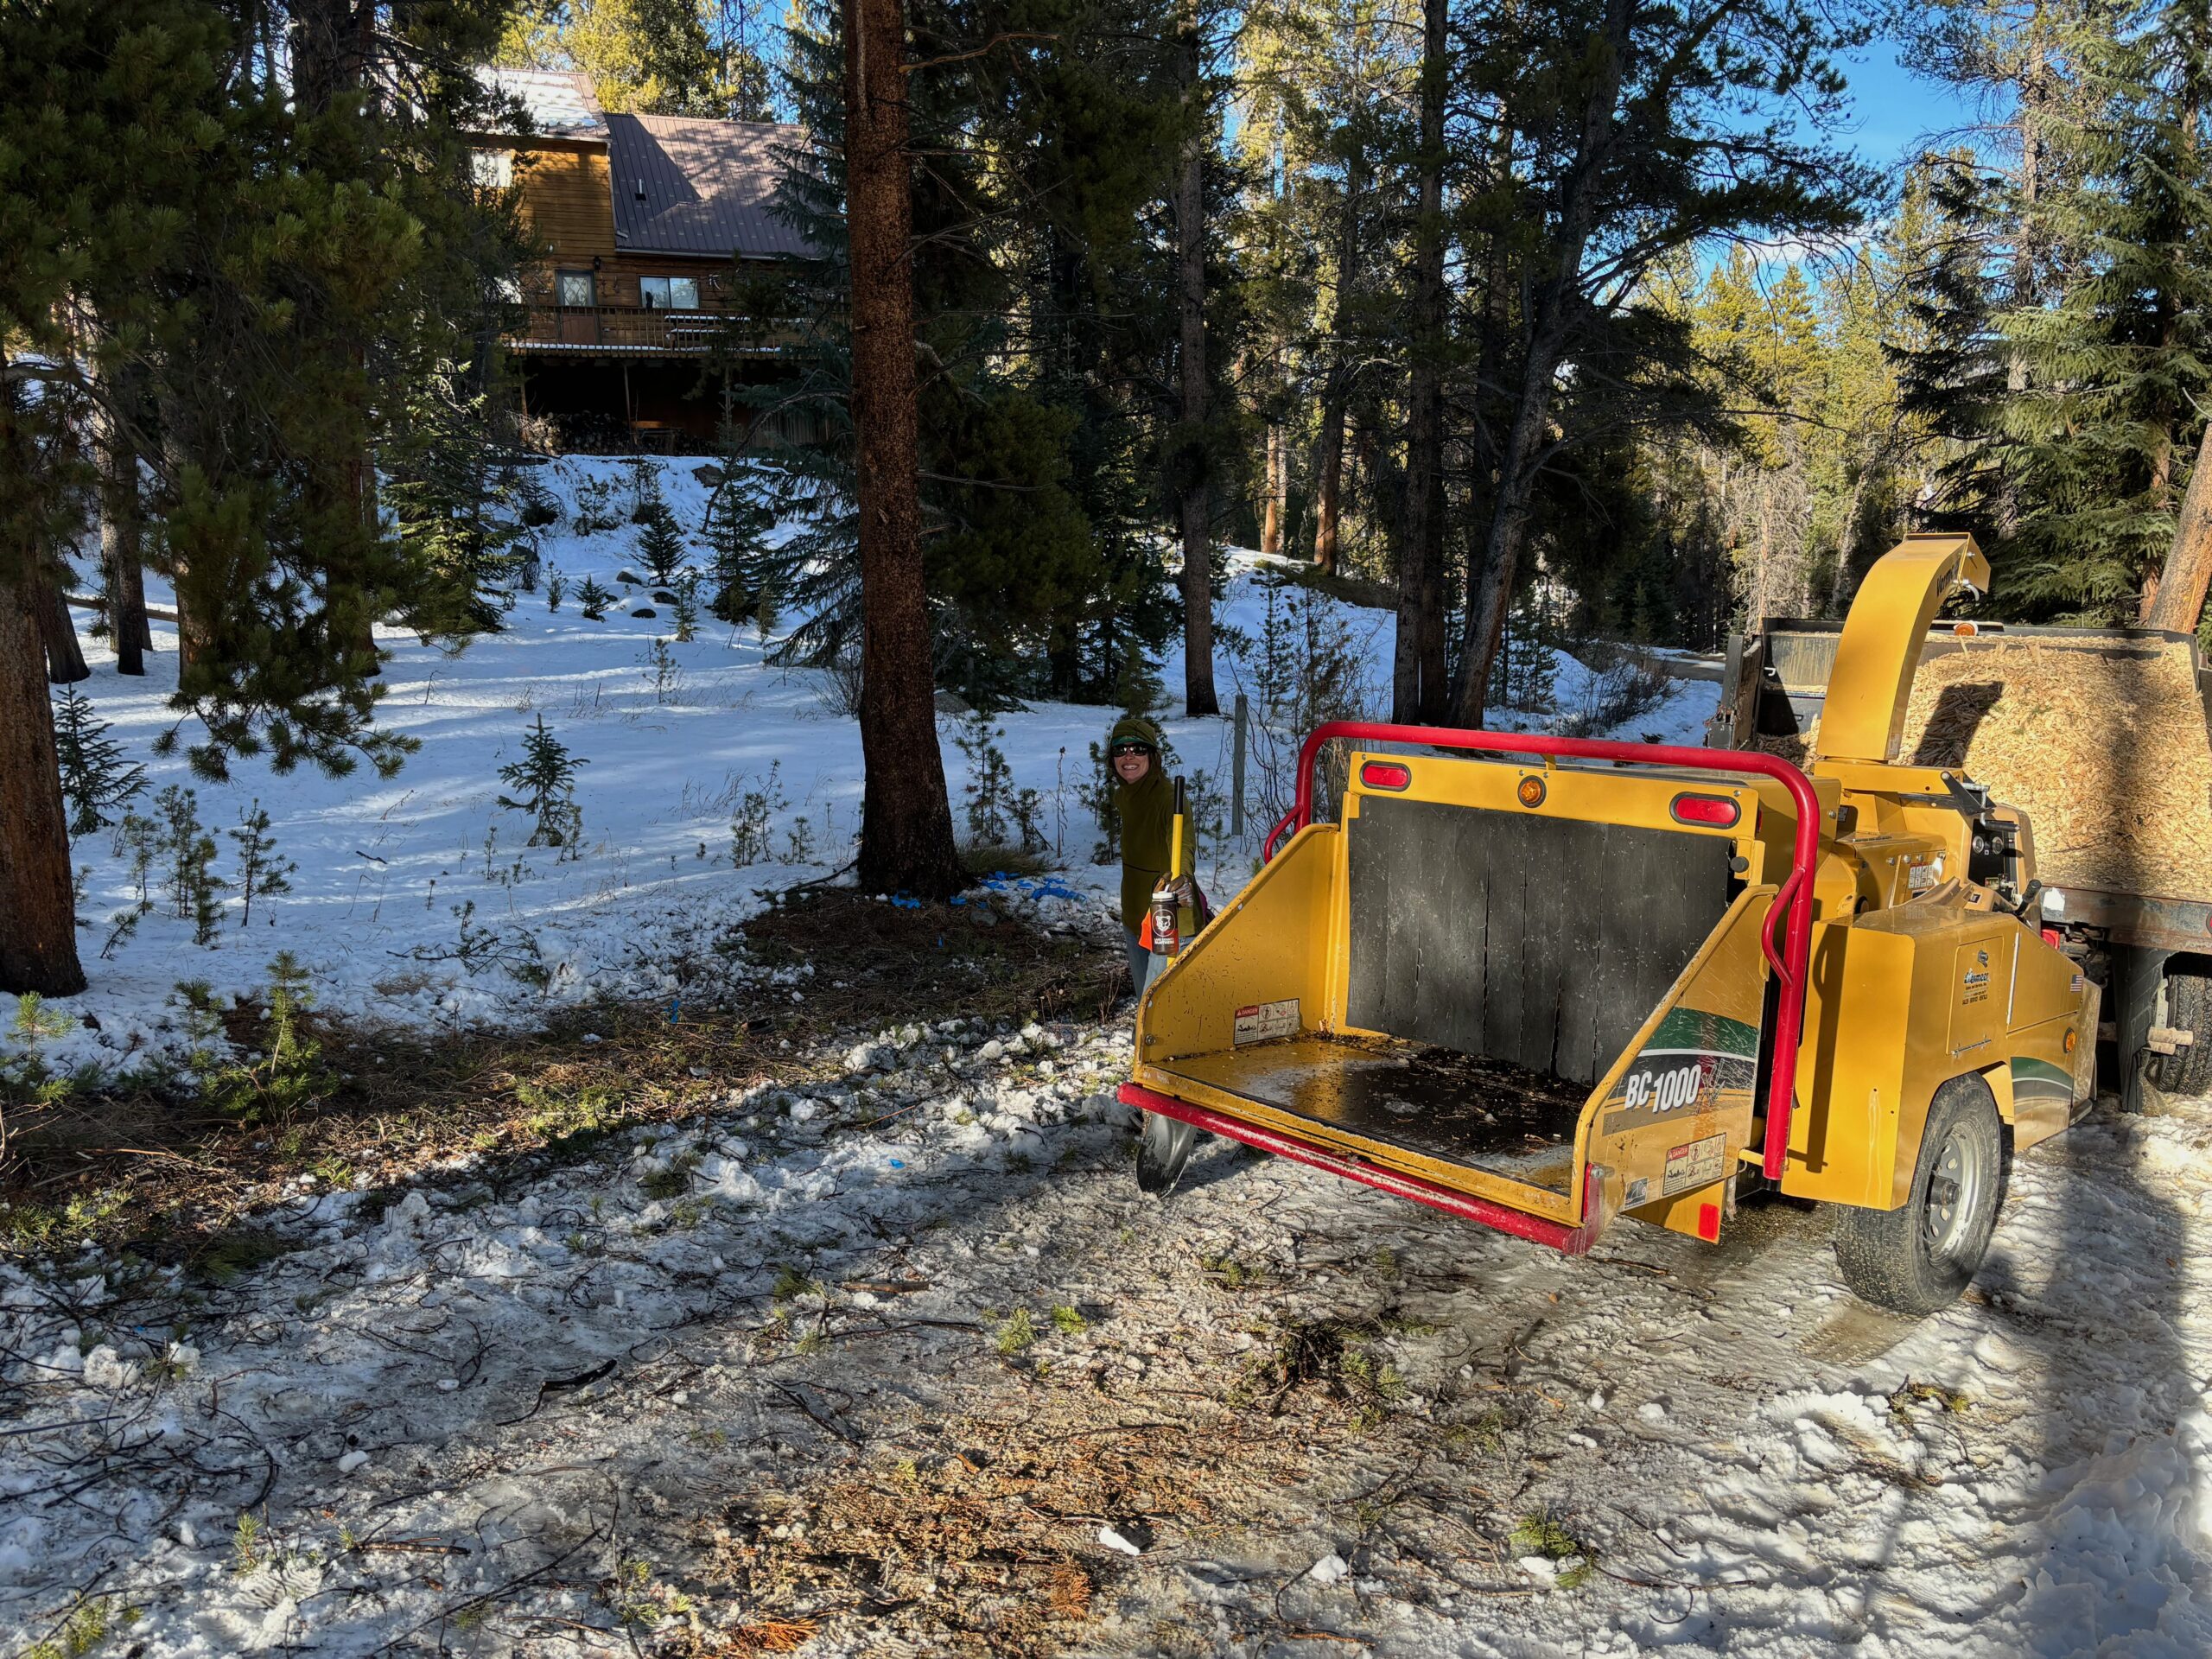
1793 900
1571 1241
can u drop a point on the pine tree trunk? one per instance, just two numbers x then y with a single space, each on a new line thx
2179 602
38 919
1199 697
1419 690
905 817
64 658
1336 389
333 52
1278 492
2032 93
120 548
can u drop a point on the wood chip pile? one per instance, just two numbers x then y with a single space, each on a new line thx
2104 748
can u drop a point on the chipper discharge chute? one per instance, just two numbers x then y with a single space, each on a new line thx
1541 982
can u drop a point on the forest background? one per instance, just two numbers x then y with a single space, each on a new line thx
1559 320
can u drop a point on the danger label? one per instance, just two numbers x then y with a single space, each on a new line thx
1694 1164
1262 1021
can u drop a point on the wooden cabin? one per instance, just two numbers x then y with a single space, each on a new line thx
648 225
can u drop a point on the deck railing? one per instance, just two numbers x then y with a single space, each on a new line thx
624 328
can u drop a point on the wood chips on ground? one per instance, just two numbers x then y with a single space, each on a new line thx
2103 745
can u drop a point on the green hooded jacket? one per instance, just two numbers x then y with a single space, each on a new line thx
1146 808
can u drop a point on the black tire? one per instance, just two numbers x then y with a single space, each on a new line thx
1919 1256
1164 1150
2189 1007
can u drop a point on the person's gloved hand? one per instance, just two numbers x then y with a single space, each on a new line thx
1177 885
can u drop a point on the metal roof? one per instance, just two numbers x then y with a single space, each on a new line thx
687 186
559 102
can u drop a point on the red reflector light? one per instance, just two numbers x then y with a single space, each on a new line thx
2050 938
1385 774
1718 810
1708 1222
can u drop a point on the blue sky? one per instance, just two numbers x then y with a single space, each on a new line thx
1896 108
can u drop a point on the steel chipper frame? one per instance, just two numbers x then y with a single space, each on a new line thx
1790 965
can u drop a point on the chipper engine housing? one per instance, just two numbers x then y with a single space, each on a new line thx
1541 982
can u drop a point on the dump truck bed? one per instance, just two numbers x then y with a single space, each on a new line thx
1464 1109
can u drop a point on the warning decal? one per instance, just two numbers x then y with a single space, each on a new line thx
1260 1022
1695 1163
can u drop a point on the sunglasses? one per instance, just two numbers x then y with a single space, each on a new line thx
1121 749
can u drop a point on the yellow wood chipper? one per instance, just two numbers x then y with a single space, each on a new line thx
1540 982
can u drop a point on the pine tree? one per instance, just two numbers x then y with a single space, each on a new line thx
95 777
736 526
660 544
545 780
593 600
1604 112
247 253
261 869
458 517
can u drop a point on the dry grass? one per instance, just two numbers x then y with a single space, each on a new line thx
169 1177
989 1544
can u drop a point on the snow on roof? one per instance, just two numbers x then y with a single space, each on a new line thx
688 186
560 102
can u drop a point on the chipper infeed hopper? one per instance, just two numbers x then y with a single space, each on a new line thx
1539 981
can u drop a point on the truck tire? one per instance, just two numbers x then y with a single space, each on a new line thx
1164 1150
1919 1256
2189 1007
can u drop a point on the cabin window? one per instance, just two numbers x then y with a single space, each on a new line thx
576 288
669 293
494 169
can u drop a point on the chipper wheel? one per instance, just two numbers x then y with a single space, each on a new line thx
1163 1151
1918 1257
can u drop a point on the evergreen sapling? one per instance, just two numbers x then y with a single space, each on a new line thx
94 775
194 890
594 599
545 779
736 528
660 544
261 870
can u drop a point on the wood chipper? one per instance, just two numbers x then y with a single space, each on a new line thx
1540 982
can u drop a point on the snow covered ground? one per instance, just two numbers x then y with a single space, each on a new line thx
386 868
902 1360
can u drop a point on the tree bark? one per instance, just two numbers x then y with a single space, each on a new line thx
1419 692
64 658
38 915
334 45
1278 492
905 817
121 557
1199 696
1336 390
2179 603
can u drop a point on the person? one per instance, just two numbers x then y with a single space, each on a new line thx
1145 802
